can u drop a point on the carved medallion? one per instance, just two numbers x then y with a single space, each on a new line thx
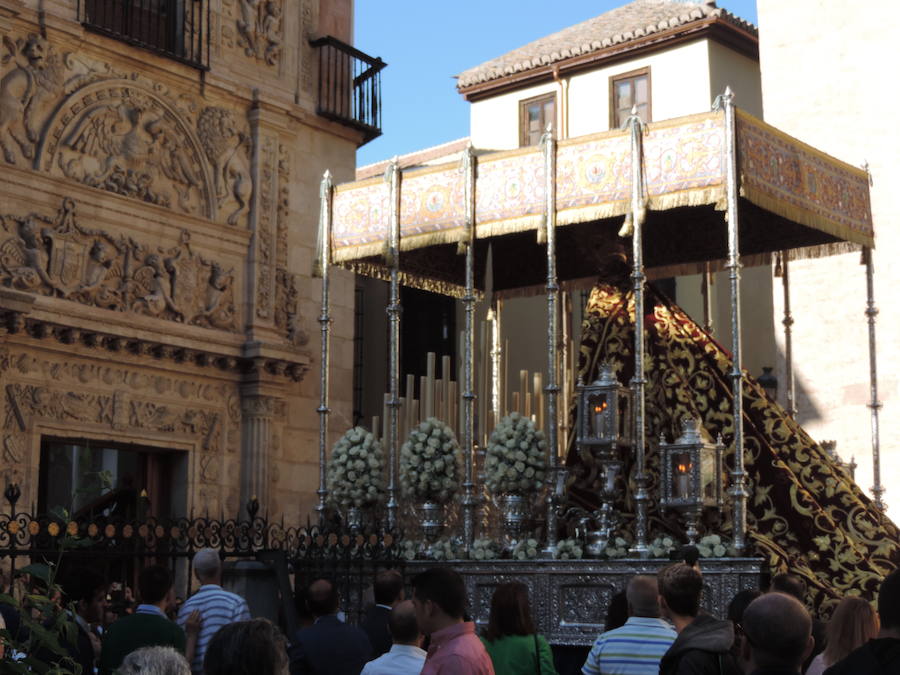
124 138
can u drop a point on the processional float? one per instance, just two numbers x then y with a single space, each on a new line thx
674 181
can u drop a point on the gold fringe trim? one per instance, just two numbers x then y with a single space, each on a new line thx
413 281
803 216
407 243
373 248
714 195
585 214
498 228
755 260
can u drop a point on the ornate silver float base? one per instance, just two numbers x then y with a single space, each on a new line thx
569 597
433 519
514 509
354 518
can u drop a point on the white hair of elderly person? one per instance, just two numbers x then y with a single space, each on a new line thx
154 661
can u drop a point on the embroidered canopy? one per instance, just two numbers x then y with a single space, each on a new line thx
792 197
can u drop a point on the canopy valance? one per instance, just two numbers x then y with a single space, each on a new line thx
792 197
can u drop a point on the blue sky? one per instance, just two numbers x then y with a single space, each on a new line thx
427 42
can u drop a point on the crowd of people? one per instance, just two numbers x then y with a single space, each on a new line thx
655 626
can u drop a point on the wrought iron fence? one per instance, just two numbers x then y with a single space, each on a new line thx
349 86
121 547
178 29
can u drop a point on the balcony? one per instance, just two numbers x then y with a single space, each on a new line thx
349 86
177 29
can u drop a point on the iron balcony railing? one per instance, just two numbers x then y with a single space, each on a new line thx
177 29
349 86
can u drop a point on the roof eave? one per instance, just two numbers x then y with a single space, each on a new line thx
713 28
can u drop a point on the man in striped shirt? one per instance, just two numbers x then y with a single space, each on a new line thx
637 647
217 606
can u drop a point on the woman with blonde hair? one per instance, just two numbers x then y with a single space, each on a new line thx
853 624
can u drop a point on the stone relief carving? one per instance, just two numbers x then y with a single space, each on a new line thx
59 257
259 29
36 72
287 317
265 239
126 141
227 147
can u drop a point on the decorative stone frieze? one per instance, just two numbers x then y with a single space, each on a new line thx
58 257
13 322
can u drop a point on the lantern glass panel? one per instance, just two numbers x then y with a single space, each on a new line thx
682 465
598 413
708 475
624 417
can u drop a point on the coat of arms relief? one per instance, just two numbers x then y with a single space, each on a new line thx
59 257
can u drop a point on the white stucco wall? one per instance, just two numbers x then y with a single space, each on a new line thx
679 80
684 80
824 64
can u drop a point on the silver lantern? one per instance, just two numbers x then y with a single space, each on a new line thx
691 474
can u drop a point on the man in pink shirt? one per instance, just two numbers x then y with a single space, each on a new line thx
439 598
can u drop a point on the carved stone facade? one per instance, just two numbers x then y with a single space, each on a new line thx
156 229
57 256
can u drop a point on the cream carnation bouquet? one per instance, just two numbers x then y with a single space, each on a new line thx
430 463
354 473
515 460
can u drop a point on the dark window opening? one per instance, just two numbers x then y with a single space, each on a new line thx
87 479
628 91
428 324
534 116
178 29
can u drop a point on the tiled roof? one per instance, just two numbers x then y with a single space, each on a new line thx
437 154
631 22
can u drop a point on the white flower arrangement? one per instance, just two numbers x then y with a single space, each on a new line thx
442 549
515 460
660 546
617 548
527 549
484 549
354 473
569 549
710 546
713 546
430 463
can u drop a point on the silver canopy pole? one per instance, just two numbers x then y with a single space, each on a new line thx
738 490
469 501
324 260
787 322
393 177
638 381
552 388
874 403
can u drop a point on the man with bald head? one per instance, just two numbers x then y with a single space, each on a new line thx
329 646
406 656
778 632
636 647
217 607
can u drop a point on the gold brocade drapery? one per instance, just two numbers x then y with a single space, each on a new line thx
805 514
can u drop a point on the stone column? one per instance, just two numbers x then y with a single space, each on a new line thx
256 447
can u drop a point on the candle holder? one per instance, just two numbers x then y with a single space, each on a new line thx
604 413
604 426
691 474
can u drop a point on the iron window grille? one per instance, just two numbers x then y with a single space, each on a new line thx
177 29
349 86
